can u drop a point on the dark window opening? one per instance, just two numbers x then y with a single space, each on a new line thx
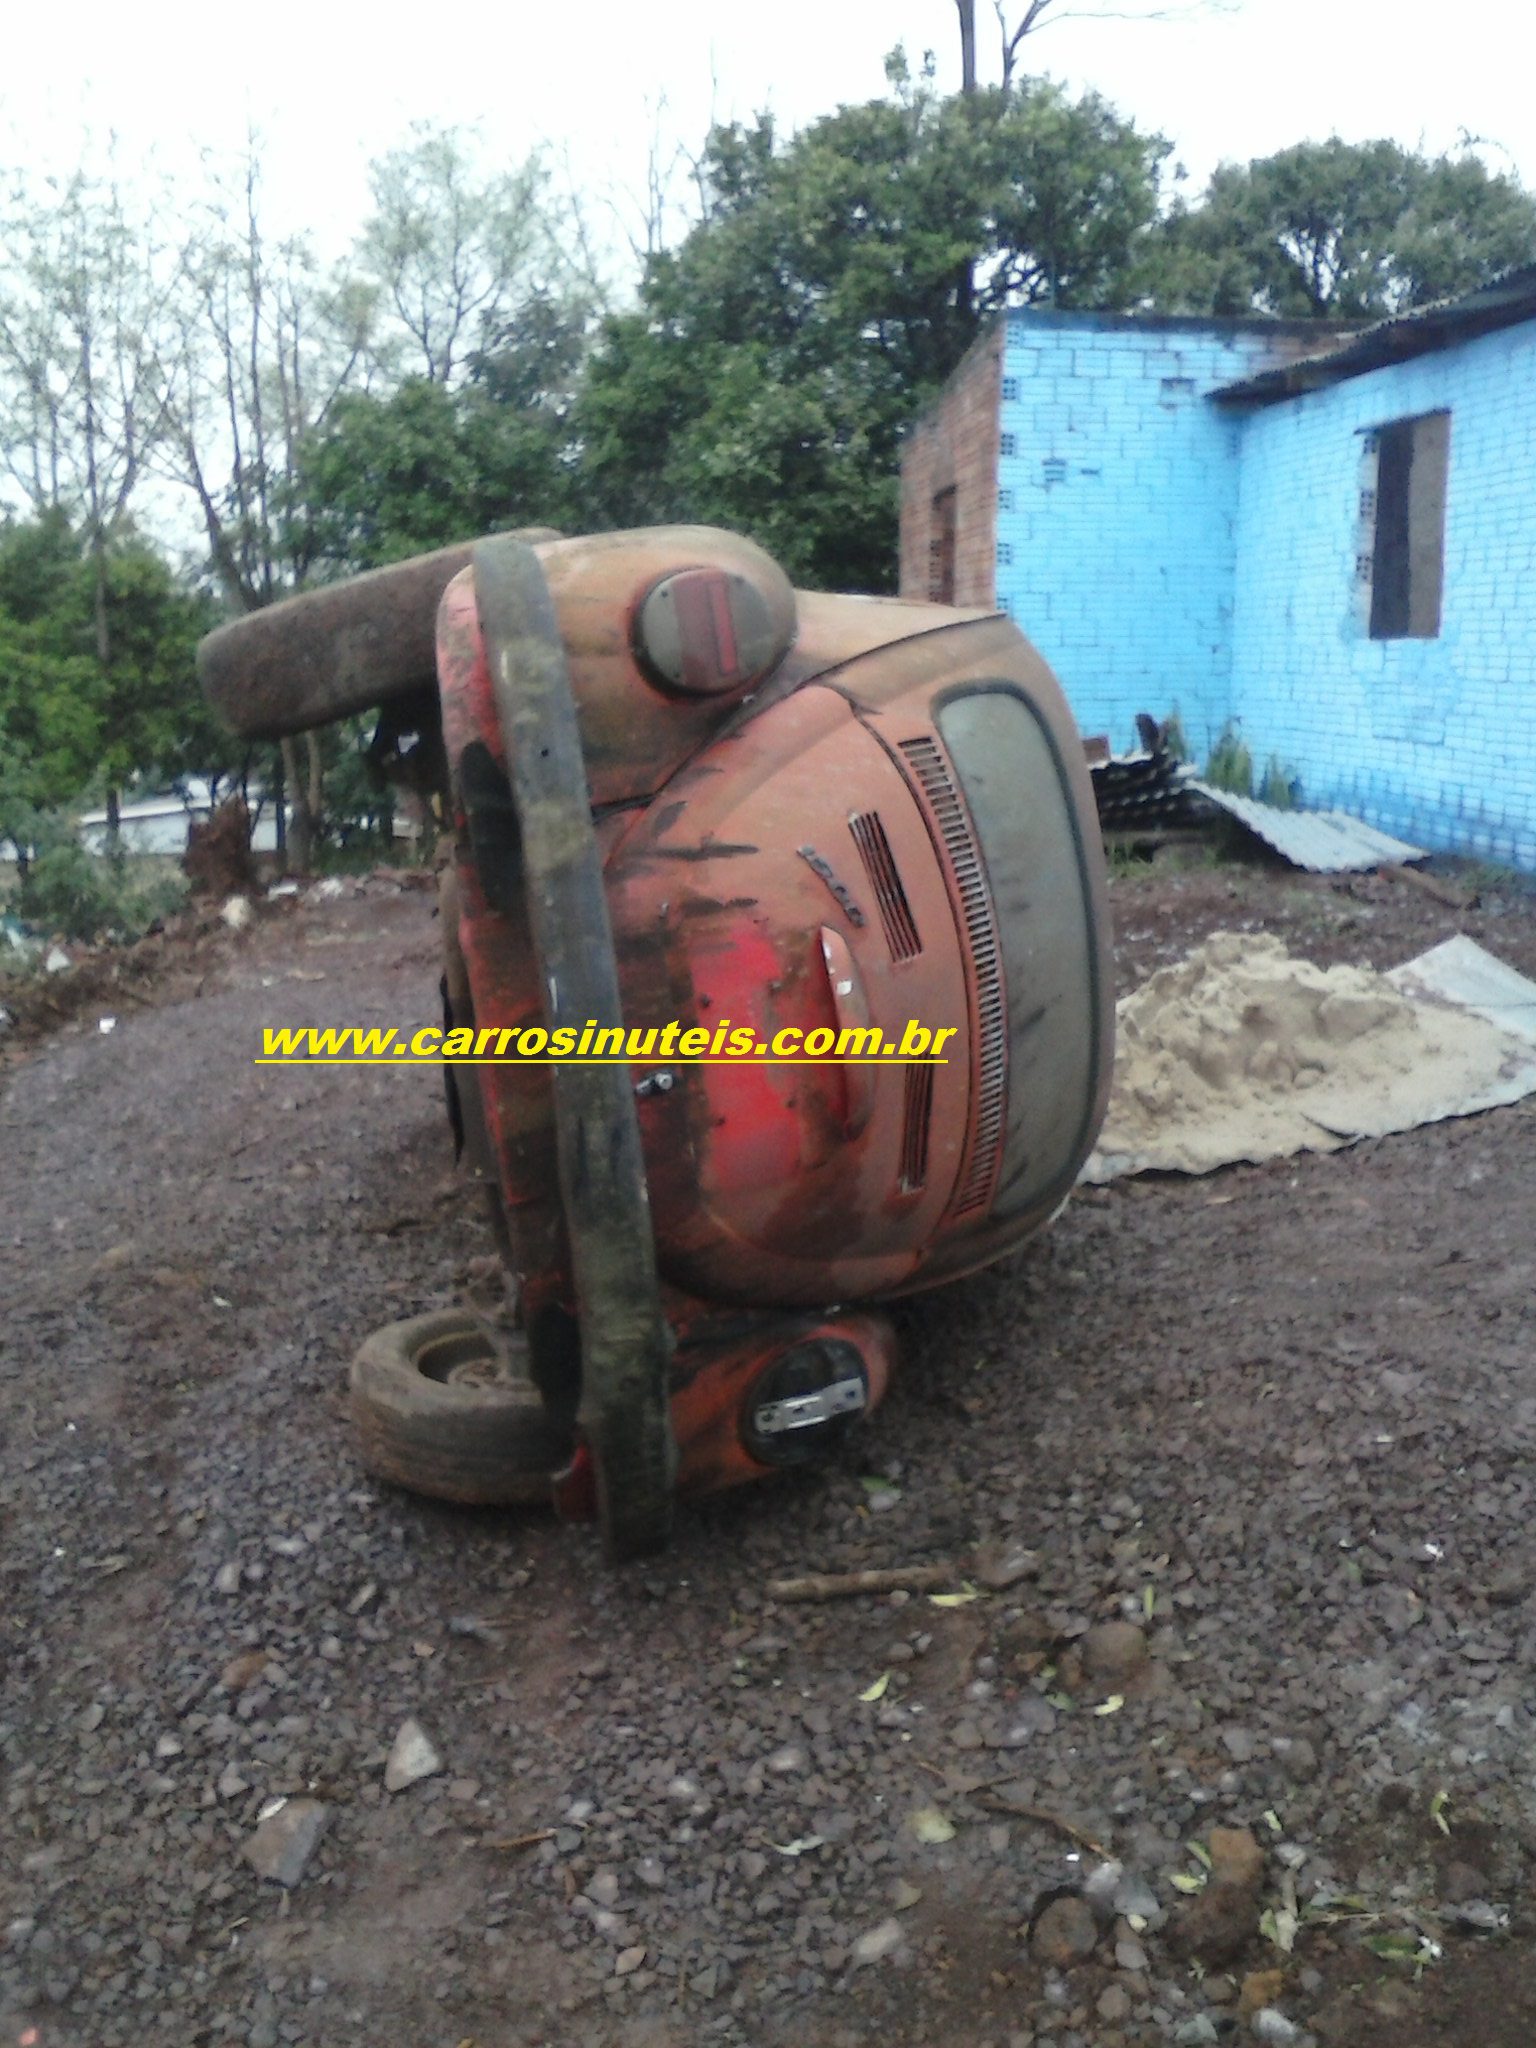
1408 553
1010 390
1007 444
941 549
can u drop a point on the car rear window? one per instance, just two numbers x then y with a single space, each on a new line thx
1026 831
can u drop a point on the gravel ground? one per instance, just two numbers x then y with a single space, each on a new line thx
1242 1467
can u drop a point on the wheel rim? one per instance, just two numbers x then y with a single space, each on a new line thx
467 1360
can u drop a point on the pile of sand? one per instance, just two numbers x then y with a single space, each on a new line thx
1243 1052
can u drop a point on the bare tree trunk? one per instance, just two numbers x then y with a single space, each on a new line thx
298 846
280 799
314 788
965 280
967 12
307 791
104 655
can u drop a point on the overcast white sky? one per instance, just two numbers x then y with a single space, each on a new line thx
333 84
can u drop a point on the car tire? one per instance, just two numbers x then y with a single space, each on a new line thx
443 1409
336 650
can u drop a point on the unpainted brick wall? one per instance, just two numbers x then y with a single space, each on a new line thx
1432 739
954 445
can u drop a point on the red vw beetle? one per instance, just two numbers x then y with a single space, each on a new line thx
681 791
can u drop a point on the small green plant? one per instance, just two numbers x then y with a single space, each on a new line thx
1281 787
70 893
1230 766
1174 738
1125 864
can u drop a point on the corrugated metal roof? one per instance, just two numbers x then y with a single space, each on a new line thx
1503 302
1323 842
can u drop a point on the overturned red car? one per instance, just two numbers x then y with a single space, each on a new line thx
682 793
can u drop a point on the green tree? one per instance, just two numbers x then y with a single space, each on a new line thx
1344 230
832 284
70 726
51 689
82 394
453 248
432 463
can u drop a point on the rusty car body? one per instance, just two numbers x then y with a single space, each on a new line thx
679 789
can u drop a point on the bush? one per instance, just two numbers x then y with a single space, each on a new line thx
1281 786
1231 765
1175 739
72 894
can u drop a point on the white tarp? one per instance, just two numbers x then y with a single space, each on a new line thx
1241 1052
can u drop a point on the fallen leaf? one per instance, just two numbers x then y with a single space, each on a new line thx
1183 1882
1394 1948
1437 1807
963 1598
800 1846
877 1690
929 1825
1112 1705
1149 1601
1279 1927
1200 1853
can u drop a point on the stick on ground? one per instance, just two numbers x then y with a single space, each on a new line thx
1048 1820
915 1578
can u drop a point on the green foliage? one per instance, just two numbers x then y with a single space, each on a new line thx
68 725
1230 765
1281 786
359 802
426 466
155 719
452 245
1174 737
1354 231
833 284
70 893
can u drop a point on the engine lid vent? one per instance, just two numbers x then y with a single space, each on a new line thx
990 1107
885 879
917 1118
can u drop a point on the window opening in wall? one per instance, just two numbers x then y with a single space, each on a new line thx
941 549
1010 390
1402 513
1007 444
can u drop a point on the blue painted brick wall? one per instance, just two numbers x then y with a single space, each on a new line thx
1432 739
1118 495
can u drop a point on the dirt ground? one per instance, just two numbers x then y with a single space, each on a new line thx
1281 1421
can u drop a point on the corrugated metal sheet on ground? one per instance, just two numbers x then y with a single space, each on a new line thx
1460 971
1324 842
